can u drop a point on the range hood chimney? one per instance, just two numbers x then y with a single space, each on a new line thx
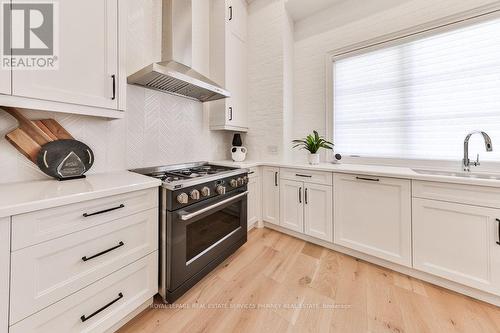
174 74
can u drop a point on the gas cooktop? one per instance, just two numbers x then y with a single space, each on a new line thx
182 175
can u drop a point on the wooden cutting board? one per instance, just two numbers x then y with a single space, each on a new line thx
32 135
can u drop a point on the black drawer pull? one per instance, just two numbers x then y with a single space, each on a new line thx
368 179
103 252
498 242
251 172
114 87
104 211
85 318
305 176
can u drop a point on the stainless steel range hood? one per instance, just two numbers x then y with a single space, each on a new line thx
174 74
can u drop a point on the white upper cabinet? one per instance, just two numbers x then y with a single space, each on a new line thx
318 211
5 87
457 242
292 205
237 18
228 64
88 68
373 215
271 195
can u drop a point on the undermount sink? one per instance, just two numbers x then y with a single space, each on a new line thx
458 174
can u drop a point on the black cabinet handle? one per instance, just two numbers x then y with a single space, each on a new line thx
275 179
305 196
85 258
304 176
230 113
251 172
498 242
114 87
300 194
104 211
230 13
368 179
85 318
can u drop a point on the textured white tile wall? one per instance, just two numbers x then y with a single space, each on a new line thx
347 23
268 25
158 128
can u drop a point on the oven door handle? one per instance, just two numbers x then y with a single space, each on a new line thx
185 217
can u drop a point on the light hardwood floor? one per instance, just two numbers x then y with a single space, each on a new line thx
293 285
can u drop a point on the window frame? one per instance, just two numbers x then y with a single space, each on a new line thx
450 23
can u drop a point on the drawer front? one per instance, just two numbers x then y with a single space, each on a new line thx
466 194
253 172
316 177
44 274
4 273
37 227
136 283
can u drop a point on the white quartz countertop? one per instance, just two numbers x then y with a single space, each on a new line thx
366 169
19 198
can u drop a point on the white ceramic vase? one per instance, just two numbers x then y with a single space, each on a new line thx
313 159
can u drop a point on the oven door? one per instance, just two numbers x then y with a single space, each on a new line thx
203 233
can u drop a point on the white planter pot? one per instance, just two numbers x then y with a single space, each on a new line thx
313 159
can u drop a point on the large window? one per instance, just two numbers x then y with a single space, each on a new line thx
419 97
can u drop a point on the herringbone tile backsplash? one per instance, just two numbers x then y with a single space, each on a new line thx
158 129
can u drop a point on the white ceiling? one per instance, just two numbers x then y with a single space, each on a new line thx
300 9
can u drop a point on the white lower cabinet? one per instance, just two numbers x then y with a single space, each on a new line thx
254 192
81 267
292 205
271 195
318 211
4 273
48 272
457 242
98 307
373 215
306 208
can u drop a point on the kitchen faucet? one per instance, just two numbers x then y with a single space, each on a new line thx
487 142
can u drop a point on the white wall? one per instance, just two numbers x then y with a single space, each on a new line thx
347 23
158 128
270 80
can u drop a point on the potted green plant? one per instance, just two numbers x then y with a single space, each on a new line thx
312 143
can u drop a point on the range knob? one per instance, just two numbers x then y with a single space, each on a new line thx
240 181
195 195
233 183
205 191
182 198
221 189
245 179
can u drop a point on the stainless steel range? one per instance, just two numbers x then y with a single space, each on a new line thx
203 220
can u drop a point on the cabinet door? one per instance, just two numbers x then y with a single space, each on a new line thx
373 215
270 195
5 74
292 205
236 69
318 211
236 18
253 201
87 60
457 242
4 273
